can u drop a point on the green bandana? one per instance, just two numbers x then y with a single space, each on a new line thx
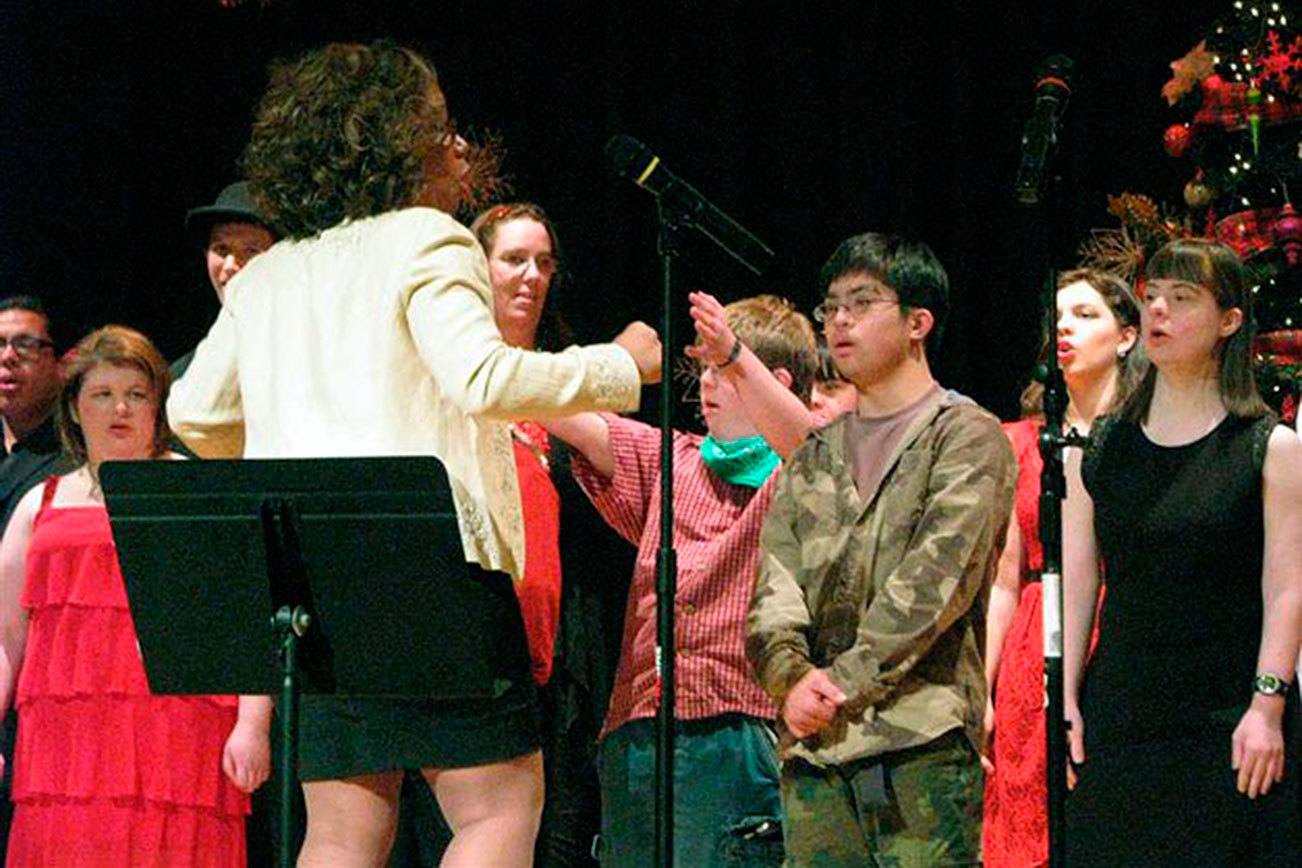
748 461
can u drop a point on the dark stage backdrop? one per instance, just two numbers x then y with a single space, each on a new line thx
807 122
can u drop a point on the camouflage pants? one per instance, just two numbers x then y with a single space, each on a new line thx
915 807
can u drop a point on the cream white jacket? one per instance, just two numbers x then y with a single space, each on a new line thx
377 338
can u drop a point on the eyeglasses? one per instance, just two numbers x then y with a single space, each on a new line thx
856 306
25 346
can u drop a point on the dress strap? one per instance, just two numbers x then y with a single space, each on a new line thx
47 494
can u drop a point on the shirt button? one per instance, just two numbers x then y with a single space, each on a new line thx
689 609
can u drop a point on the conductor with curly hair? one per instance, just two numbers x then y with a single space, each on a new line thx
368 330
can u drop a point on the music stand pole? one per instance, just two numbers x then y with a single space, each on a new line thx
291 621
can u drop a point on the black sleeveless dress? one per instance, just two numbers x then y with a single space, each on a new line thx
1180 533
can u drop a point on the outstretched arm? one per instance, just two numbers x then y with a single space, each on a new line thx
590 435
777 413
205 408
449 316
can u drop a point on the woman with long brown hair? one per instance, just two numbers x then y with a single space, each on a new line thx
1097 329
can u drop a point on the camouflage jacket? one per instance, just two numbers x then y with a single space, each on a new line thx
888 596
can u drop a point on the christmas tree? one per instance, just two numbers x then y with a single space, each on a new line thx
1238 93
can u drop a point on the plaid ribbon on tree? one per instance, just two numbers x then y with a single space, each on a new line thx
1227 106
1247 233
1281 347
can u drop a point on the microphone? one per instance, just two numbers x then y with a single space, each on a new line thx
630 159
1052 88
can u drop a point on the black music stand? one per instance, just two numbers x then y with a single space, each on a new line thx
356 564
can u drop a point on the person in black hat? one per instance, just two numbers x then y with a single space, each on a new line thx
231 232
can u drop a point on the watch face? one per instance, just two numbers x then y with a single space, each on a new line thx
1269 684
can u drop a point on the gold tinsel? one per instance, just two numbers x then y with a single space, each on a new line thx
1135 209
1115 251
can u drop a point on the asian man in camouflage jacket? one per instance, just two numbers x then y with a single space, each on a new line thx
867 621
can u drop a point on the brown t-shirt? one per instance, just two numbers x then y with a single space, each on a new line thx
870 440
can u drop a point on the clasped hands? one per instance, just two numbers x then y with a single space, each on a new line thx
811 704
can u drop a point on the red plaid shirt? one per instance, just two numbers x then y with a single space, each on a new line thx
716 536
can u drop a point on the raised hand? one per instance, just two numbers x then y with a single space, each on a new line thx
715 340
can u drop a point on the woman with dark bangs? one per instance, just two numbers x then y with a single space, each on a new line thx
369 331
1191 496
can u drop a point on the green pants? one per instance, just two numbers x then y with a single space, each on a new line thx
911 808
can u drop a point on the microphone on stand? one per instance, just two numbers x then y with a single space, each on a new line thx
1052 88
631 159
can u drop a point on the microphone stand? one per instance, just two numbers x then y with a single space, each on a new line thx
671 223
1053 489
678 208
1039 142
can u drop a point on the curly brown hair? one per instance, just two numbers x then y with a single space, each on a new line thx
346 131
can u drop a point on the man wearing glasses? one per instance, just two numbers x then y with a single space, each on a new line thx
30 380
878 551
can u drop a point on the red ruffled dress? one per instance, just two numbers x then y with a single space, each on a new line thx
1015 828
104 773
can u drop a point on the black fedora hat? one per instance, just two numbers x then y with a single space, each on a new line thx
233 205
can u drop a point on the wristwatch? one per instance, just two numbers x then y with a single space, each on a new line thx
1269 685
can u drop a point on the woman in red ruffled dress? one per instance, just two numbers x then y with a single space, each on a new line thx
106 774
1097 328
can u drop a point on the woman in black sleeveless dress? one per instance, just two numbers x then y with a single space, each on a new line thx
1191 498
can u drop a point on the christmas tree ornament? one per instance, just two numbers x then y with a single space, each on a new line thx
1176 139
1287 232
1254 116
1197 193
1187 72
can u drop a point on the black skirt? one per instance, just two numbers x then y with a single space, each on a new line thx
342 737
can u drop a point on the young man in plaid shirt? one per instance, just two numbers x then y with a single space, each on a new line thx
757 361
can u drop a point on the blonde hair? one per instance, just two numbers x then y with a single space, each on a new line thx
124 348
779 335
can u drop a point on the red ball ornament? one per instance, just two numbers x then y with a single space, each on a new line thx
1287 232
1213 85
1176 139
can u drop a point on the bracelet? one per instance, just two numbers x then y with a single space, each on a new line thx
733 354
